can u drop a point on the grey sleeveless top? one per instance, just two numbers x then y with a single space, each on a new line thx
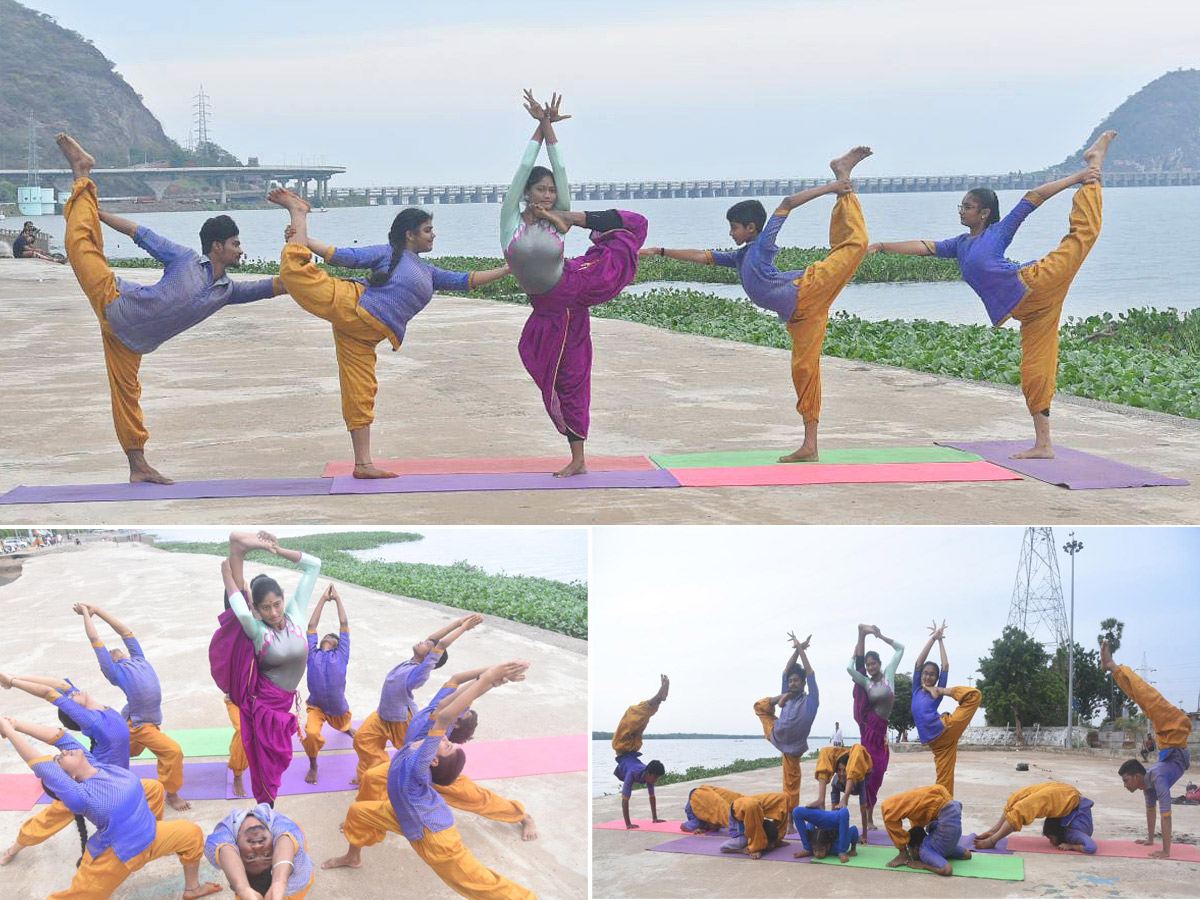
536 257
284 658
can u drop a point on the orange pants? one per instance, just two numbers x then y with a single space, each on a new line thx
355 331
1040 309
858 767
169 754
791 763
371 740
1171 724
817 289
945 745
97 878
237 752
313 740
628 736
920 806
52 819
710 803
85 251
752 810
462 794
1038 801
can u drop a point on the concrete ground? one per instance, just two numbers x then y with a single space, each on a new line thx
253 392
621 867
171 602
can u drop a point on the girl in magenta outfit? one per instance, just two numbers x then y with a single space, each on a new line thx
874 695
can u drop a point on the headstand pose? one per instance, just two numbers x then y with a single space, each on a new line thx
327 664
1068 816
801 299
756 824
115 801
1032 293
823 833
874 696
263 854
556 343
788 732
627 744
364 312
137 318
413 808
846 770
940 733
136 678
1171 730
936 829
258 657
707 809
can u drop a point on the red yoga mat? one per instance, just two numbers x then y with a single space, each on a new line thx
483 466
834 473
1027 843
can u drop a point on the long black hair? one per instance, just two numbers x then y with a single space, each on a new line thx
80 823
71 725
987 199
406 220
261 586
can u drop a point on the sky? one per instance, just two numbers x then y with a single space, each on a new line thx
711 608
658 89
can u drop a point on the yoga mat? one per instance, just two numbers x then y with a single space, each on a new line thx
20 792
503 481
647 825
182 490
1072 469
985 865
476 466
704 846
198 742
824 473
1028 843
847 456
201 781
878 838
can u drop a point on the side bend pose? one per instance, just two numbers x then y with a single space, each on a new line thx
364 312
556 343
788 731
823 833
1068 816
327 662
756 824
136 319
136 678
940 733
874 695
933 840
114 800
263 854
413 808
1171 730
258 657
707 809
801 299
1032 293
847 771
627 745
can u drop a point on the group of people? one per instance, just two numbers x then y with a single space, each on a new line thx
756 823
258 656
24 245
555 345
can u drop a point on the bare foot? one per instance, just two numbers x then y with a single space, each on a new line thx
1094 155
354 780
350 731
141 471
311 777
815 804
572 468
10 854
966 854
203 890
1037 451
178 802
239 789
529 830
78 159
549 215
1106 658
844 164
901 859
339 862
806 453
289 200
370 470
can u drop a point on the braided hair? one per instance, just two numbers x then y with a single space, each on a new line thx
80 823
406 220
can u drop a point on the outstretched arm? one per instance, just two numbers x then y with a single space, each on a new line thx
693 256
904 248
25 750
444 637
795 653
453 706
109 620
935 634
235 873
44 733
46 688
562 187
119 223
315 619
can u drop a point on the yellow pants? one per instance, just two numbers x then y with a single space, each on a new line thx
711 803
1039 801
817 289
84 243
858 766
462 794
753 810
237 752
628 736
97 878
827 763
355 331
371 740
945 745
1040 309
169 754
920 806
791 763
313 740
1171 724
52 819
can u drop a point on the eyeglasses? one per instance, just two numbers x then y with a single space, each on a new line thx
963 207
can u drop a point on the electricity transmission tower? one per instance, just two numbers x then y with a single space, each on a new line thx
1037 600
202 112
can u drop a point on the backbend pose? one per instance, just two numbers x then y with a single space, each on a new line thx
263 854
874 695
823 833
1032 293
258 657
756 824
556 343
364 312
1171 730
1068 816
627 744
413 808
115 801
847 771
327 662
936 829
940 733
801 299
136 678
788 732
707 809
136 319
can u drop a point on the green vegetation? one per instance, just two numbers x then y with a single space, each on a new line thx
679 736
694 773
553 605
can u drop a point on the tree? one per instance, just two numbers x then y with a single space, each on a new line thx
1091 687
1018 686
901 718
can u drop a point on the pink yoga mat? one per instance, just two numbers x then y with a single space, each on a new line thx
647 825
833 473
201 781
181 490
477 466
19 792
504 481
1072 469
1028 843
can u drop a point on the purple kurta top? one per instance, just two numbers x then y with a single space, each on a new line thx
790 734
414 800
104 726
1078 825
925 708
1160 777
755 264
136 679
327 674
396 703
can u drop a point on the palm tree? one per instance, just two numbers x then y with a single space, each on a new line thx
1112 629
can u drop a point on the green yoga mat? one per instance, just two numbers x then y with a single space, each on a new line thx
851 455
199 742
980 865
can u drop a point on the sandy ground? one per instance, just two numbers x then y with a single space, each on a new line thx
171 602
253 392
983 780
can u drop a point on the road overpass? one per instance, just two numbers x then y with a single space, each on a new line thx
159 179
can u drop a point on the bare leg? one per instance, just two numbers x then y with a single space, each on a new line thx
192 887
807 451
1106 658
11 853
529 830
239 789
78 159
352 858
297 208
1043 447
141 471
991 838
577 465
900 859
178 802
360 438
311 776
819 803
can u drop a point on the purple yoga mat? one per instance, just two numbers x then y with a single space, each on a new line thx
201 781
706 846
1072 469
182 490
503 481
334 772
334 739
876 838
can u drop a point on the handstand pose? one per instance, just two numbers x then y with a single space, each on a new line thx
874 696
788 732
707 809
846 770
627 744
556 343
1032 293
940 733
1068 816
137 318
936 829
756 824
801 299
824 832
249 846
326 681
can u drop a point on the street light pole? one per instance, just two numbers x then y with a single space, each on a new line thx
1072 547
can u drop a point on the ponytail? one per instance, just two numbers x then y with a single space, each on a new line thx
406 220
987 199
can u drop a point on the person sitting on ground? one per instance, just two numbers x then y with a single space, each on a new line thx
627 744
1068 816
263 854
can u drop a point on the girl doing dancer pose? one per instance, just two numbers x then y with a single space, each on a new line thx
874 696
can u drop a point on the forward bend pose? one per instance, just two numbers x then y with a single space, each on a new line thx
823 833
707 809
364 312
114 800
627 745
940 733
136 319
136 678
756 824
846 771
874 695
556 343
413 808
259 657
788 731
327 662
263 854
1032 293
801 299
1068 816
932 840
1171 730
